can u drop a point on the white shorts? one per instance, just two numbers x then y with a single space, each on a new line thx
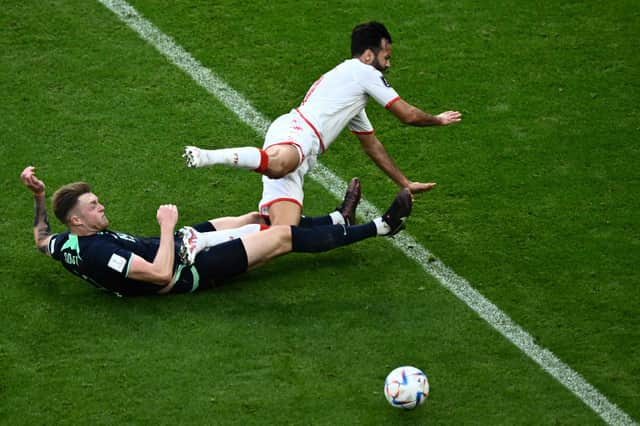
289 129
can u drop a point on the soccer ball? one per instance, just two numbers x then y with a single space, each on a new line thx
406 387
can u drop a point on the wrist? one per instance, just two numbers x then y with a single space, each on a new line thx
167 228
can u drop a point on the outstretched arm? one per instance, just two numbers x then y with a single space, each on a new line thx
377 152
41 228
413 116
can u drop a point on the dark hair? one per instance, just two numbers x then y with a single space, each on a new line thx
368 36
66 198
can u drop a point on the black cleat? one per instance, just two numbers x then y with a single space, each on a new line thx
398 212
351 199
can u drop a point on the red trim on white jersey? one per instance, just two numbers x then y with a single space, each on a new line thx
264 162
392 101
370 132
311 90
313 128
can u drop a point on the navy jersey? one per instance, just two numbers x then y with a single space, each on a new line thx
104 259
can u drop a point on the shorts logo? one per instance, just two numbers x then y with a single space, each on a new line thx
384 81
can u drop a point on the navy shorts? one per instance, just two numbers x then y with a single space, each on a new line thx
213 266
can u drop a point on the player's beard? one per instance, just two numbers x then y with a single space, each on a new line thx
377 65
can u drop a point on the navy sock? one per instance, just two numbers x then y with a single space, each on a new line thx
310 222
324 238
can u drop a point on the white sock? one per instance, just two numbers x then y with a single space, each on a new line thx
337 218
216 237
381 226
245 157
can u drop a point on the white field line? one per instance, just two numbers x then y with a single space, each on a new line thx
573 381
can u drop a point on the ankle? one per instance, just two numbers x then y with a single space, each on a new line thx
381 226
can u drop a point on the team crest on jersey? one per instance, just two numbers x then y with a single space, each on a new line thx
384 81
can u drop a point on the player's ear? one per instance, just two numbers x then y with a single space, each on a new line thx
74 220
368 56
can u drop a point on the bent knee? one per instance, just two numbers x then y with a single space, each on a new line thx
282 233
283 159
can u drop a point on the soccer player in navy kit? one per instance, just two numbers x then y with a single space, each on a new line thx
196 258
335 101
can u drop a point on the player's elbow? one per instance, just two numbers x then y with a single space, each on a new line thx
159 276
164 279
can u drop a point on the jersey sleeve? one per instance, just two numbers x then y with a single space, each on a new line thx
376 86
360 124
54 249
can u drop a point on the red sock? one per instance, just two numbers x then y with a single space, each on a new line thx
264 162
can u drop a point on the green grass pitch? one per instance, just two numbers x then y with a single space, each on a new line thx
537 207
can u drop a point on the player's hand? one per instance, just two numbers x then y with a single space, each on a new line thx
417 187
30 180
449 117
167 215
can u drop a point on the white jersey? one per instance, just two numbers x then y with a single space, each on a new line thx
335 101
338 98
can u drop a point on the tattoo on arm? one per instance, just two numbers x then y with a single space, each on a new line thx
41 228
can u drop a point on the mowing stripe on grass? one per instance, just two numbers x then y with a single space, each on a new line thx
573 381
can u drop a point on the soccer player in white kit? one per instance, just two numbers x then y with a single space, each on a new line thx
335 101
